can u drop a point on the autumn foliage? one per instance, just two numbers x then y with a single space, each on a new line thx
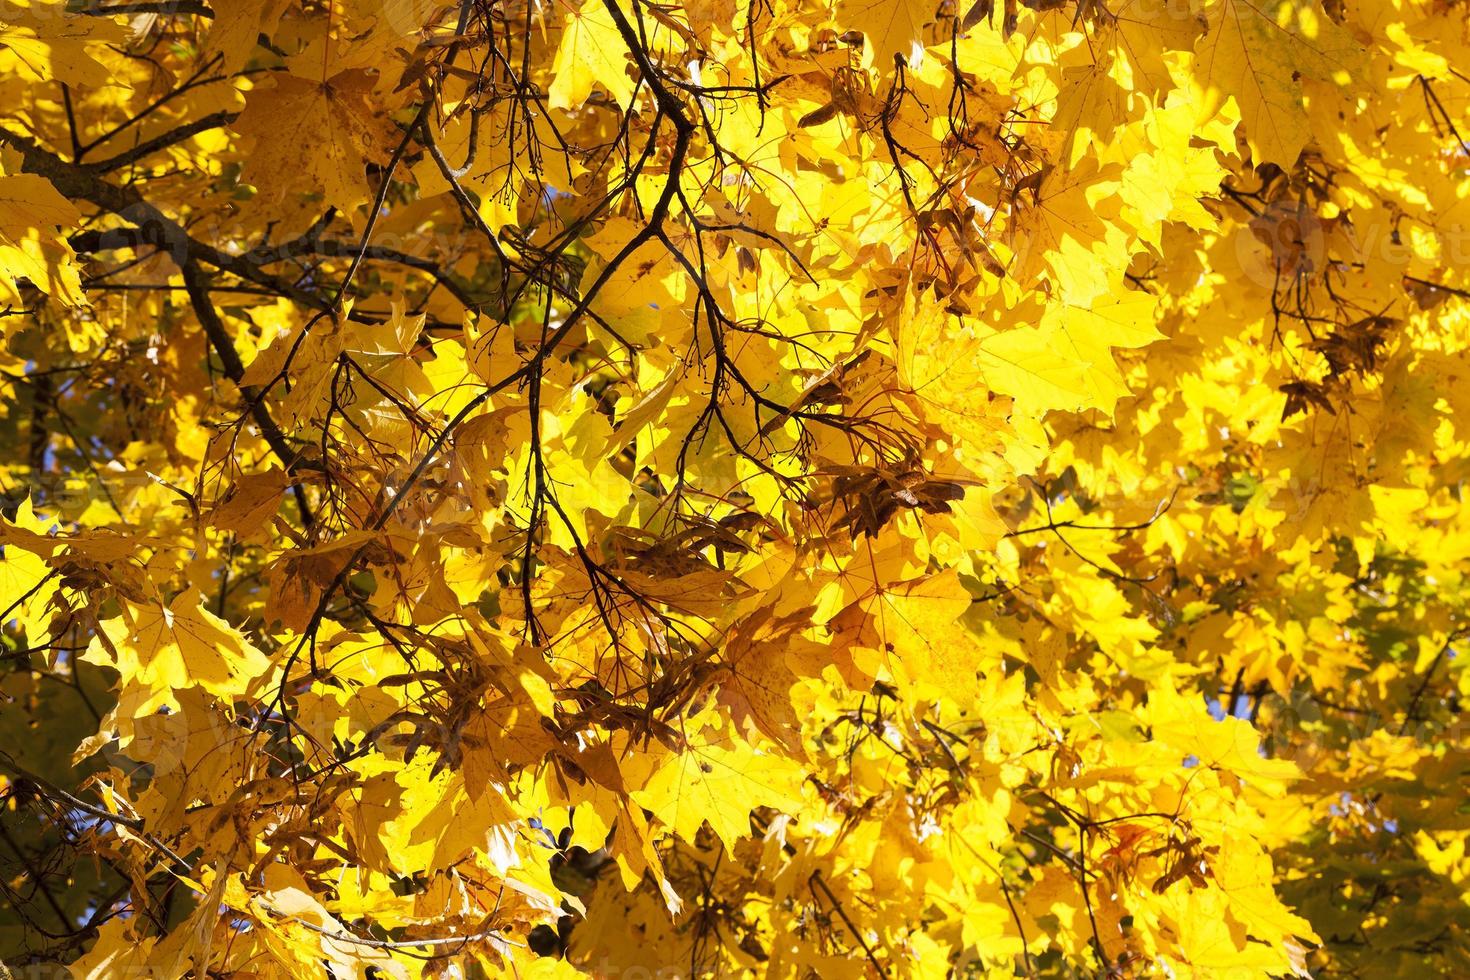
711 488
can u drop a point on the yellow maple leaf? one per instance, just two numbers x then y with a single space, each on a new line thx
160 649
45 41
31 214
591 53
891 27
1258 53
323 134
718 778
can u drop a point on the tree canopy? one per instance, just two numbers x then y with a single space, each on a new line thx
688 488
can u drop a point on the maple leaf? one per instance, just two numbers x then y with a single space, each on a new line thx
43 43
32 213
892 29
1259 53
164 648
719 779
237 27
328 132
591 53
